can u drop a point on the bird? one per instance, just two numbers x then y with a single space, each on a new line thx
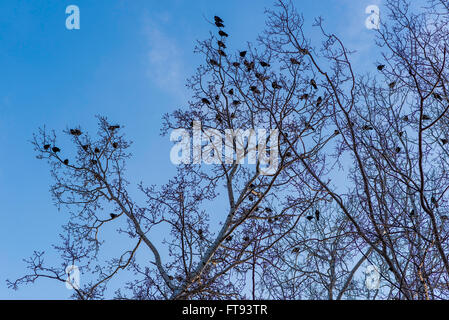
222 33
236 102
93 161
255 90
115 145
250 198
221 44
205 101
246 239
75 132
336 132
170 278
113 215
221 53
85 147
114 127
46 146
250 66
236 64
318 101
288 154
367 127
218 117
437 96
294 61
66 162
412 213
398 149
425 117
380 67
304 96
217 18
219 24
313 84
55 149
317 215
444 141
213 62
268 210
275 85
264 64
242 54
233 115
401 133
309 218
252 186
231 92
392 84
96 150
405 118
217 97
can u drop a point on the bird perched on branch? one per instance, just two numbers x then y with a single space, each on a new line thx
221 44
219 24
242 54
46 146
236 64
313 84
405 118
437 96
213 62
113 215
55 149
205 101
304 96
114 127
222 33
309 218
294 61
66 162
75 132
318 101
392 84
115 145
221 53
425 117
264 64
317 215
367 127
275 85
236 102
231 92
380 67
218 19
96 150
444 141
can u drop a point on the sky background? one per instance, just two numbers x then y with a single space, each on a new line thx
129 62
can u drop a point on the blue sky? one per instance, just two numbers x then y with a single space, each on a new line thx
129 62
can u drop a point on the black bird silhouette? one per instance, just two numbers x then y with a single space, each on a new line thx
412 213
252 186
313 84
294 61
96 150
317 215
264 64
213 62
275 85
236 102
295 250
398 149
380 67
217 97
250 66
254 89
304 96
392 84
401 133
205 101
318 101
233 115
437 96
46 146
218 117
221 53
221 44
217 18
113 128
336 132
425 117
85 147
405 118
444 141
231 91
243 54
66 162
219 24
93 161
75 132
367 128
246 239
55 149
115 145
222 33
236 64
250 198
434 201
268 210
113 215
288 154
309 218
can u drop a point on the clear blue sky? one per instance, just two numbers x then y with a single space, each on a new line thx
129 62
